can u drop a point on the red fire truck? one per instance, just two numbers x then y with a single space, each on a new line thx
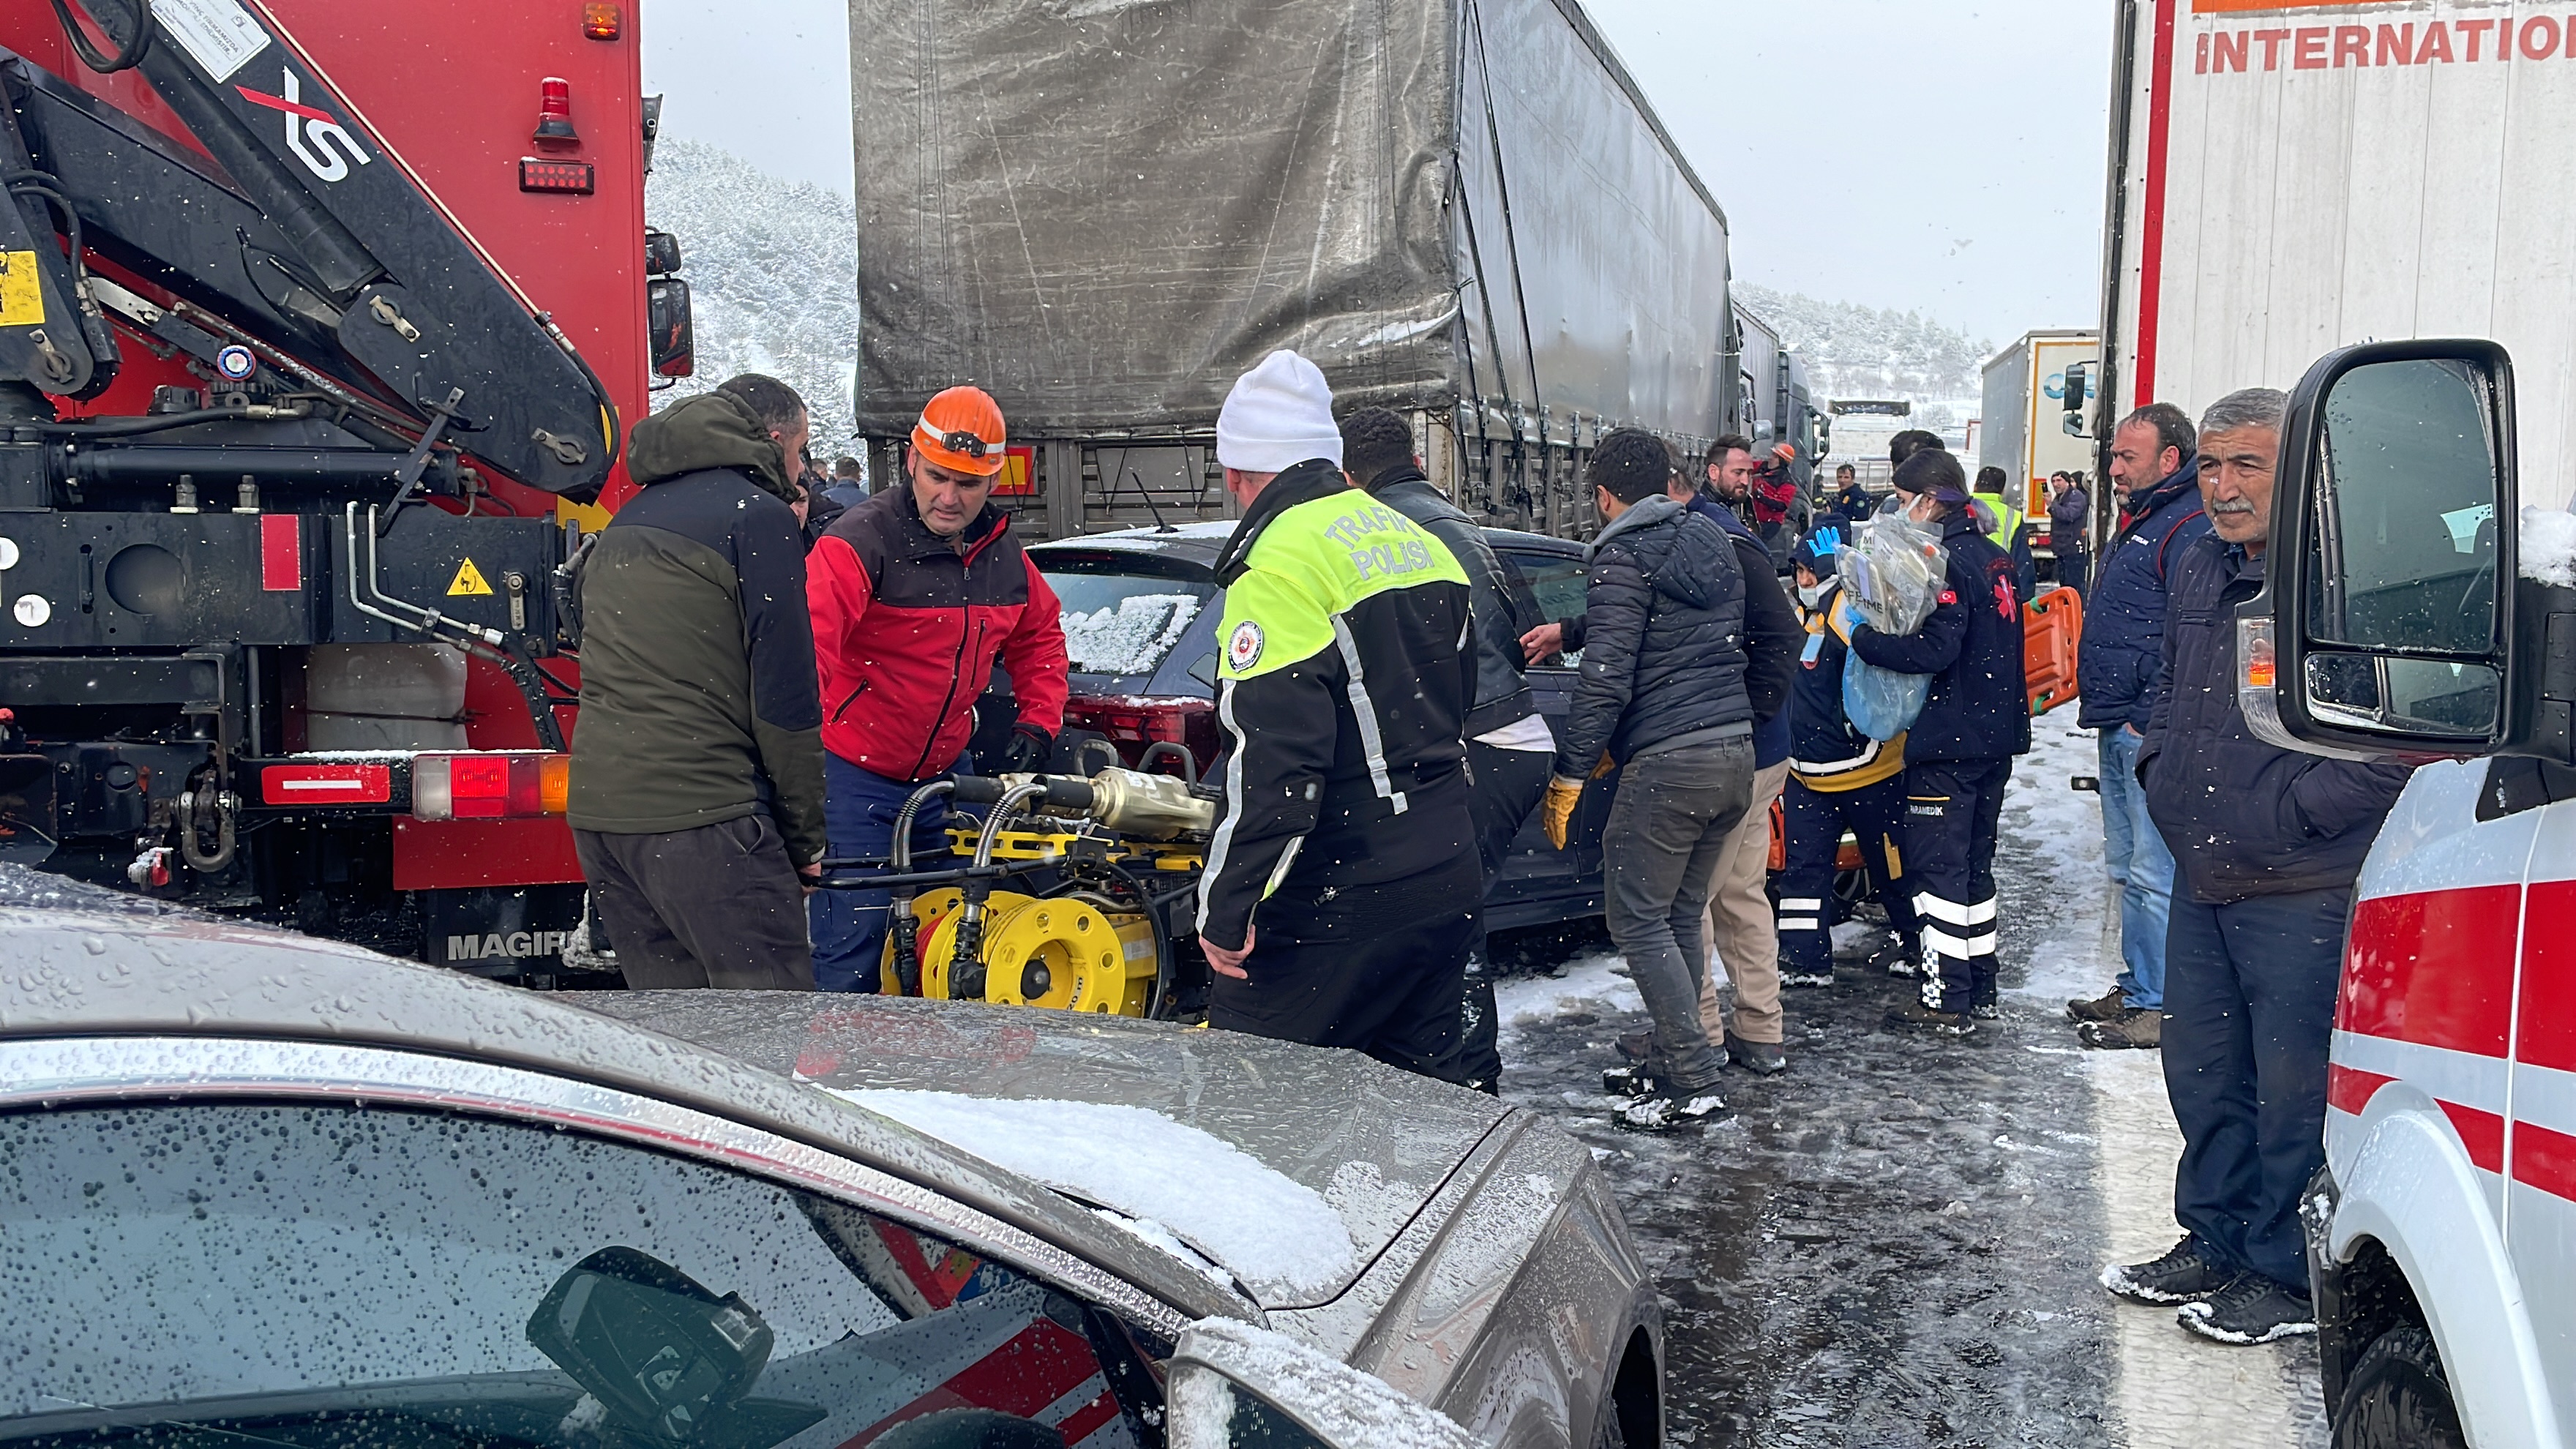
319 329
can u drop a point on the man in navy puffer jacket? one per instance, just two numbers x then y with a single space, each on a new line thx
2156 472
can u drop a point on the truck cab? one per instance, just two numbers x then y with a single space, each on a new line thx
2414 612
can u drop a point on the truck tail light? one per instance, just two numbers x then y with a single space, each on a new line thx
601 22
1134 721
504 786
577 178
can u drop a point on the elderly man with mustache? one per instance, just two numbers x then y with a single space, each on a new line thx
2269 842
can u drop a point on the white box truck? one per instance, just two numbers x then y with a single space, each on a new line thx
2289 178
2021 423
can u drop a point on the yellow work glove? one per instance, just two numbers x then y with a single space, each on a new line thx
1604 765
1556 809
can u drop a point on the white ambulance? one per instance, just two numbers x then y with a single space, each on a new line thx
2413 612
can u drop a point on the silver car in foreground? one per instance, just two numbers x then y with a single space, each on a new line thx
262 1190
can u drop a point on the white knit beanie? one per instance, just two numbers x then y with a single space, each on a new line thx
1279 415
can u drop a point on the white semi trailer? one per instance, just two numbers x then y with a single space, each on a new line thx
2289 179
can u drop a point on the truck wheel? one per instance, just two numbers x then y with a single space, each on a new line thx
2398 1397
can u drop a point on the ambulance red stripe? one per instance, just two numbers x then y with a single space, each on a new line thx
2482 1133
2548 1027
2544 1159
2421 968
2348 1089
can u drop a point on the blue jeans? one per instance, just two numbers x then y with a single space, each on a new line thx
858 820
2245 1043
2142 865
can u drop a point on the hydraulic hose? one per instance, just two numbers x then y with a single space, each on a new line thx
966 962
907 931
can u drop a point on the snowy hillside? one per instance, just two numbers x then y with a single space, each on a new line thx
1862 352
773 271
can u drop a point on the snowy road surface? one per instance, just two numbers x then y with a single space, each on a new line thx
1895 1243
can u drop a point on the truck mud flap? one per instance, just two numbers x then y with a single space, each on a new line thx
26 808
507 932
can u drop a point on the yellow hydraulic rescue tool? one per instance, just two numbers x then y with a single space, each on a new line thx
1068 898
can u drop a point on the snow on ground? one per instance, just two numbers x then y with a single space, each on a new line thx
2170 1388
1179 1182
1131 638
2063 827
1789 1181
1596 985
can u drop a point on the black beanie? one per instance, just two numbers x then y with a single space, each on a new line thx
1932 471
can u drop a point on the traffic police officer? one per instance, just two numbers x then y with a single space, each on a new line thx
1342 888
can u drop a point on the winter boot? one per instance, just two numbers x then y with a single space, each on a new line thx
1806 975
1762 1058
1915 1016
2182 1275
2137 1028
2106 1007
1985 1003
1635 1081
1671 1107
2253 1309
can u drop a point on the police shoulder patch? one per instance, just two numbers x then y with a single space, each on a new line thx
1243 647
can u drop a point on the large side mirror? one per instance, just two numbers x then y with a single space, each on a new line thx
2079 393
671 327
1234 1386
2386 623
670 1362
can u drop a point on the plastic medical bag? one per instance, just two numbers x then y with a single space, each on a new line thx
1882 703
1894 572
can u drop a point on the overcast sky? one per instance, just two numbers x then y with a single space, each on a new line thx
1938 155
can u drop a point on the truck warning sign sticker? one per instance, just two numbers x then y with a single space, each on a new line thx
469 582
22 299
218 34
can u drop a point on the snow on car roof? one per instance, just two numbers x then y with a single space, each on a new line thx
1213 531
1263 1226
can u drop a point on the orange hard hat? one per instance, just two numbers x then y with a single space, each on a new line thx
961 430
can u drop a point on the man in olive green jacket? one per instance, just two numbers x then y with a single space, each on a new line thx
697 764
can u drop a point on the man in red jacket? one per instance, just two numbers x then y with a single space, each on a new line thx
915 594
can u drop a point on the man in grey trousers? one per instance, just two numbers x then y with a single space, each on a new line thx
1662 694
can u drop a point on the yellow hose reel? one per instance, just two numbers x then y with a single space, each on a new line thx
1063 952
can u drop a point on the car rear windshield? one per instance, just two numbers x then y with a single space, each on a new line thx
1119 619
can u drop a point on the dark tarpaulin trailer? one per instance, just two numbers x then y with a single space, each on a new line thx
1103 211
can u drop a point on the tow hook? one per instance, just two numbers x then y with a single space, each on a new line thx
224 805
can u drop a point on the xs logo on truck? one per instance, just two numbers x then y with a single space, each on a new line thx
304 124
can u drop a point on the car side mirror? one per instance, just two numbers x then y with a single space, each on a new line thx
2078 397
2387 620
1232 1384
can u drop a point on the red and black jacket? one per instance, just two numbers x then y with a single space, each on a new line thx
907 628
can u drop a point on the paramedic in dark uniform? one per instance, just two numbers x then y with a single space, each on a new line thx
1959 753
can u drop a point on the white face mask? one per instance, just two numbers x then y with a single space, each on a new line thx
1814 594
